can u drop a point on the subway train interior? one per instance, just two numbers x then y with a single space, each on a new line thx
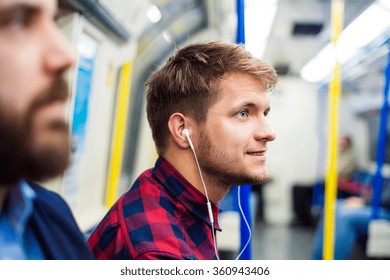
119 43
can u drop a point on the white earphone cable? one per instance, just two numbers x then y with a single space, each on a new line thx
209 208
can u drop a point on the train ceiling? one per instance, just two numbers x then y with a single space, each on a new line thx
300 29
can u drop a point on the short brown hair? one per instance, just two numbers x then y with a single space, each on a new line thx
188 83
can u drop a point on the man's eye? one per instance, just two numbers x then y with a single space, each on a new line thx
243 114
19 17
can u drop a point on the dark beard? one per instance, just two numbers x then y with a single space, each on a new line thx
11 151
20 158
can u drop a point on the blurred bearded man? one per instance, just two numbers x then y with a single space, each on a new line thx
34 142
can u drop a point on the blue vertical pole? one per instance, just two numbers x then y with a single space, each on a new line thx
245 191
381 146
245 194
240 39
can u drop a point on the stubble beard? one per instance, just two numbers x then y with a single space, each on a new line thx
223 167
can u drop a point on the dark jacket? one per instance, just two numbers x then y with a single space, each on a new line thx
55 227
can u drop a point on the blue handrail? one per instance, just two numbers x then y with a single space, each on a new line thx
245 191
245 235
240 39
381 146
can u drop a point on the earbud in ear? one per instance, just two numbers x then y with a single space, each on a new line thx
186 134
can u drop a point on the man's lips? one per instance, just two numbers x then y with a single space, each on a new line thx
257 153
53 110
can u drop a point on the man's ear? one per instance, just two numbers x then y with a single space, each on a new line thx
176 124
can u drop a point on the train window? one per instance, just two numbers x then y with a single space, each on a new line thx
373 119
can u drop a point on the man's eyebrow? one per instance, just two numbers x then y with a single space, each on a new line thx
243 105
30 7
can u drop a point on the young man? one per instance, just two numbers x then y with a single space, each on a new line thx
34 142
207 109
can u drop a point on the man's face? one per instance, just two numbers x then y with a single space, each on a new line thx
34 140
233 140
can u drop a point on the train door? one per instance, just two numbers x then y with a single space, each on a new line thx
91 119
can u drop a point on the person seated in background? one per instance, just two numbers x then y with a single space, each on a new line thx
302 195
35 223
353 209
346 164
352 216
346 167
207 109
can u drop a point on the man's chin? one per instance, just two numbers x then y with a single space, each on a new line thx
259 178
45 170
48 159
251 179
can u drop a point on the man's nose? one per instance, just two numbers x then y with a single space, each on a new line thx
264 132
58 54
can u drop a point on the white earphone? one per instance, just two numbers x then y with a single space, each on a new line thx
186 134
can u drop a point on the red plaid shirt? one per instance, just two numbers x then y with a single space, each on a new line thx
162 216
